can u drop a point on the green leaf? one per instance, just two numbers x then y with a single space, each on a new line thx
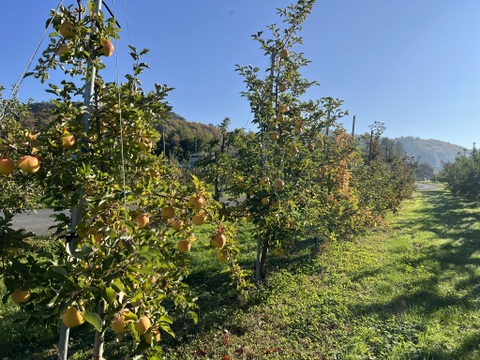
146 270
58 270
93 319
52 301
118 284
138 296
194 316
166 327
129 315
196 181
166 318
110 295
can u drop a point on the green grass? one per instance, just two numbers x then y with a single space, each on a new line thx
410 291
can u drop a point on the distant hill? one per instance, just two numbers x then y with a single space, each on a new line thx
433 152
183 137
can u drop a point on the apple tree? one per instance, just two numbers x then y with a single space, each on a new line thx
460 176
121 254
385 179
298 179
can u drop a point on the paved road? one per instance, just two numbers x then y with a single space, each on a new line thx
36 222
427 187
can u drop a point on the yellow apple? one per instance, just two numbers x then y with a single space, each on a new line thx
198 219
107 48
152 335
66 30
219 240
284 54
118 325
20 296
196 201
6 166
63 49
264 181
278 252
279 184
177 224
145 144
265 201
72 317
68 140
142 220
292 150
283 108
143 324
29 164
222 257
168 212
98 238
184 246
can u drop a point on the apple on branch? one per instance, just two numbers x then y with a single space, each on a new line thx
107 48
66 30
63 49
219 240
67 140
284 54
29 164
6 166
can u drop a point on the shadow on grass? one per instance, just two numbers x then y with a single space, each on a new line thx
218 300
452 279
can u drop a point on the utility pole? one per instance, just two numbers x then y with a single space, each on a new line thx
353 126
370 147
77 210
163 138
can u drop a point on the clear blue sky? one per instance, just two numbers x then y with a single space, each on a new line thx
414 65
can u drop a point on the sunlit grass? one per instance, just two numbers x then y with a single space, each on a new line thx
409 291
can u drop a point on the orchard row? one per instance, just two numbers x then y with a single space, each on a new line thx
120 256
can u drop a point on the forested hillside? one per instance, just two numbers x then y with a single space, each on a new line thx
433 152
183 137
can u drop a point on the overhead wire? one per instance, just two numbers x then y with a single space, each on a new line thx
119 93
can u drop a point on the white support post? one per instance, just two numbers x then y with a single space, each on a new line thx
77 210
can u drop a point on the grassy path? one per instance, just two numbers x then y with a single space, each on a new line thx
410 291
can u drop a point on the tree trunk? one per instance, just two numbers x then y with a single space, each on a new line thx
99 335
264 256
262 250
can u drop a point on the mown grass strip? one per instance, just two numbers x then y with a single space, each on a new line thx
409 291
